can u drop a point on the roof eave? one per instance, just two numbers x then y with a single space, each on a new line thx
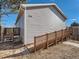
51 4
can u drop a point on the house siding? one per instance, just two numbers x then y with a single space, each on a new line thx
20 24
41 21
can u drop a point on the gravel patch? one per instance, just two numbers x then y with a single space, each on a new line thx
59 51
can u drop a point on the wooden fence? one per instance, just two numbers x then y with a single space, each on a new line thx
9 33
75 34
48 39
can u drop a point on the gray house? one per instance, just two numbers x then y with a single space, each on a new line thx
38 19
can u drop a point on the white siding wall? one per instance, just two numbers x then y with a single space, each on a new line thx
20 24
41 21
57 13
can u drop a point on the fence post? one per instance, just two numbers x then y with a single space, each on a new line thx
72 32
34 44
55 37
77 33
46 40
68 33
62 35
65 34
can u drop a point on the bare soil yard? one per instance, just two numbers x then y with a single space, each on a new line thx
59 51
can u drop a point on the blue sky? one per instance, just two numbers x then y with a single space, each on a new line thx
69 7
9 20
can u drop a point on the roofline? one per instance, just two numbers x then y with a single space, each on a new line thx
45 4
60 11
35 5
23 6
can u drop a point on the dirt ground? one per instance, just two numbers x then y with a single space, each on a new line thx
59 51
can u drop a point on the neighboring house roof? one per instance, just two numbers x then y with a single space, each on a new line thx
75 24
38 5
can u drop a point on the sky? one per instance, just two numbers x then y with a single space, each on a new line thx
70 9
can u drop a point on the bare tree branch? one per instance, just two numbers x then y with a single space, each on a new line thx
11 5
